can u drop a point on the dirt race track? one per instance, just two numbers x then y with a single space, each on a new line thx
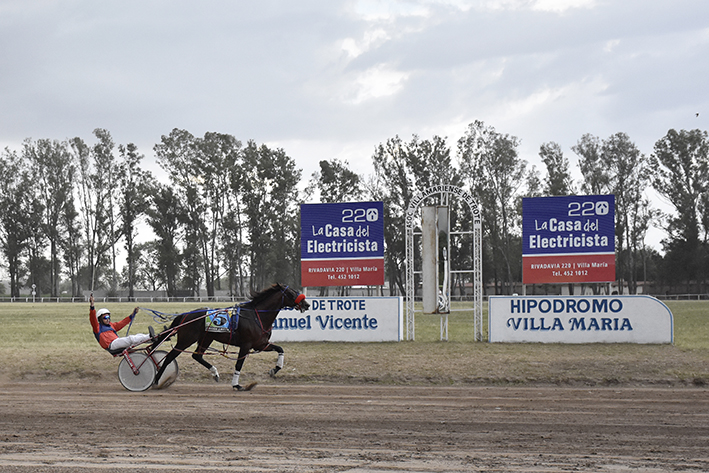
86 426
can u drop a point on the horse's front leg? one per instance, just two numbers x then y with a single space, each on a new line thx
198 356
279 362
243 353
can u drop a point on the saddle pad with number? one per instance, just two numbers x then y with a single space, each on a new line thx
221 321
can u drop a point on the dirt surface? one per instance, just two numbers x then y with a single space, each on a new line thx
88 426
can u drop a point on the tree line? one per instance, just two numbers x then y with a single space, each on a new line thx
227 216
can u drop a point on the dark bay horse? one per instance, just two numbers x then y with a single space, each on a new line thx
253 332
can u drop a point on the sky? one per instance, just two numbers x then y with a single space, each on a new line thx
333 79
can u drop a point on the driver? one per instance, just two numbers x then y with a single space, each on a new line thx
106 332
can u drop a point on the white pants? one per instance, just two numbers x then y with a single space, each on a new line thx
130 340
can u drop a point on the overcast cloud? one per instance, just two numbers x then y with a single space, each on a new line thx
332 79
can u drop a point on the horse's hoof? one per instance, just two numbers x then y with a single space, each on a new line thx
273 371
239 387
215 373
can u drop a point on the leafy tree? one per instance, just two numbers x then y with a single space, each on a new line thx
234 235
495 173
596 180
132 202
165 215
616 166
86 196
106 181
217 156
96 180
558 180
534 183
402 169
18 204
176 154
628 176
270 196
54 167
71 245
335 182
680 165
38 265
200 169
233 249
395 186
147 274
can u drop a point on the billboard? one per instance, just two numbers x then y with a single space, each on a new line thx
342 319
579 319
568 239
342 244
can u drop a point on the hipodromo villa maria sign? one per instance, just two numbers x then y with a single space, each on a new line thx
579 319
342 244
568 239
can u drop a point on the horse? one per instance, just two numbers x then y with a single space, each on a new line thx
253 332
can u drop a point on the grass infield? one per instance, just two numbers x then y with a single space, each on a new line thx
54 342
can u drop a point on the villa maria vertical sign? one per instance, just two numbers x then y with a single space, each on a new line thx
342 244
568 239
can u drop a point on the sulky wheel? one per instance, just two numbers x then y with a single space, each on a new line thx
145 376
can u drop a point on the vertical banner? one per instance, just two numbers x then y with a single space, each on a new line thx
342 244
568 239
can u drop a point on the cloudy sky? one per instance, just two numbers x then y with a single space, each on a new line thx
332 79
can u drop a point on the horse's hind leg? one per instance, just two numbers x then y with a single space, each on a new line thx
168 359
199 358
279 362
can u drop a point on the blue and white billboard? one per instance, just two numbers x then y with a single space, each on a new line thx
568 239
342 244
342 319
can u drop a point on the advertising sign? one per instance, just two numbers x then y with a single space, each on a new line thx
579 319
342 244
342 319
568 239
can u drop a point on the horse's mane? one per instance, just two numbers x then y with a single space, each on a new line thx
257 297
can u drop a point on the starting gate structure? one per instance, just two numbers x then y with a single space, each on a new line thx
442 212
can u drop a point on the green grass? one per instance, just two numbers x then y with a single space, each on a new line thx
54 342
691 323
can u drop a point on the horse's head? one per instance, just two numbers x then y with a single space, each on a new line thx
292 298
